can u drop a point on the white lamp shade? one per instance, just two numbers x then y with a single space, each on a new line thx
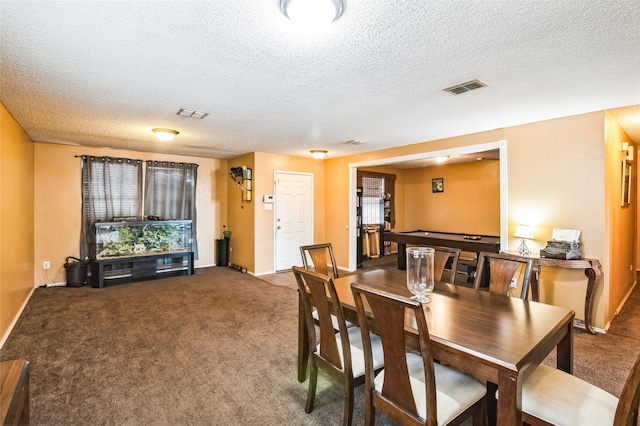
523 231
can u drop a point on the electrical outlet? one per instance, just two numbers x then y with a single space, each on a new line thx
514 283
46 265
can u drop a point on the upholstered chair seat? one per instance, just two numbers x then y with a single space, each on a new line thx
455 392
559 398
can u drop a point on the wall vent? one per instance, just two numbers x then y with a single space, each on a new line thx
191 113
467 86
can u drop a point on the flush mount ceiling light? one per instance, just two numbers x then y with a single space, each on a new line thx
318 154
312 14
165 134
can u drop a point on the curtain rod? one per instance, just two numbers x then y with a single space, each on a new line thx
103 157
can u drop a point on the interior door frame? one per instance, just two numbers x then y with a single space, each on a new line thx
469 149
275 211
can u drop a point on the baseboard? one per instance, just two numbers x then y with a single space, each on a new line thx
15 319
578 323
624 299
61 284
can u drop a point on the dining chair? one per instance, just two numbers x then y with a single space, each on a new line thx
441 258
411 388
321 257
318 258
497 270
553 397
340 354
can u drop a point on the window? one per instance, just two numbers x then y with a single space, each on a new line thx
378 201
170 193
372 191
111 187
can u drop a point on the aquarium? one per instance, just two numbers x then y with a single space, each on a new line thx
142 238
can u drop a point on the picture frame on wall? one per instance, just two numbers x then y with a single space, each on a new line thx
437 185
626 183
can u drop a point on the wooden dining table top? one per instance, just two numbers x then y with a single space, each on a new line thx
493 337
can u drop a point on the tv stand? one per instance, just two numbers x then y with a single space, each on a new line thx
137 268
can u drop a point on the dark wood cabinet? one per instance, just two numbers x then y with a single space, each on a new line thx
136 268
14 392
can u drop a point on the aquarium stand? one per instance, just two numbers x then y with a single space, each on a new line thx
138 268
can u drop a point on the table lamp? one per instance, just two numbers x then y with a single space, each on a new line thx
524 232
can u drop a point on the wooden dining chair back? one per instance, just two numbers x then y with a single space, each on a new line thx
553 397
330 351
411 388
319 257
441 258
499 269
628 408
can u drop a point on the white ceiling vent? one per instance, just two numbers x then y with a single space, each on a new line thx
352 142
467 86
192 113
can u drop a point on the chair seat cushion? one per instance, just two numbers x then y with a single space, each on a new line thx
334 321
357 351
562 399
455 392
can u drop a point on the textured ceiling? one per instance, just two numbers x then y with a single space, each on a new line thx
103 74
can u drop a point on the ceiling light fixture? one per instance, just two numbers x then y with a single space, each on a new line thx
312 14
165 134
318 154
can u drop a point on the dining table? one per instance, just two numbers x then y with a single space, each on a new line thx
497 339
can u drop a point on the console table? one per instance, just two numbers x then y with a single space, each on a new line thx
591 270
14 392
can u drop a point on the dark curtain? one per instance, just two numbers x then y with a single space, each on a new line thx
111 187
170 193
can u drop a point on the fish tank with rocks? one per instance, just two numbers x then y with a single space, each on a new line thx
142 238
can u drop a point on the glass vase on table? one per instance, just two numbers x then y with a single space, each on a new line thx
420 272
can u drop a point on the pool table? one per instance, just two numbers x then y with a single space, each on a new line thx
465 242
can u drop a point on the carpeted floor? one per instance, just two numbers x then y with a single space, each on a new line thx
216 348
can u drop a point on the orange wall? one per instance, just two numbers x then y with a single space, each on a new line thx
16 220
240 214
469 204
265 220
58 204
622 220
555 179
253 225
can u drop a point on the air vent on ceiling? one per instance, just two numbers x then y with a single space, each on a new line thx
467 86
192 113
352 142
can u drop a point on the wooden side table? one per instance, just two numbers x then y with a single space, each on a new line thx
591 270
14 392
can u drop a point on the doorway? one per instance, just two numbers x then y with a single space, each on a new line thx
293 217
353 167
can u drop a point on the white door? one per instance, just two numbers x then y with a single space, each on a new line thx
293 217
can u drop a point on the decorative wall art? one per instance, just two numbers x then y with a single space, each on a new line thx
626 183
437 185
